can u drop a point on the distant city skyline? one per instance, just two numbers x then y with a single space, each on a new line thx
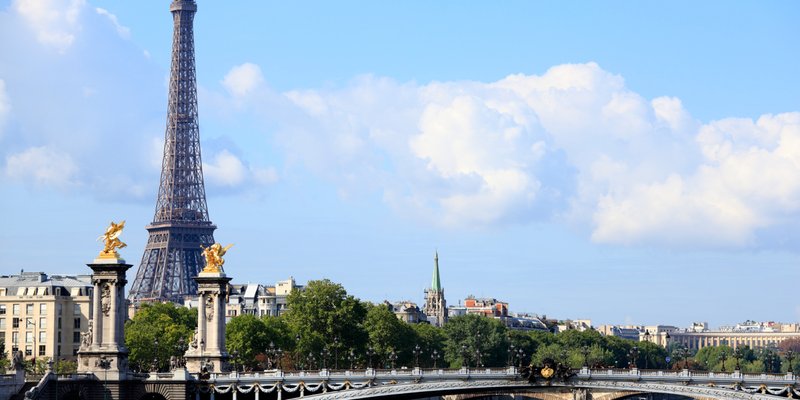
614 162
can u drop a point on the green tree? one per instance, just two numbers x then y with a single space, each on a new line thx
247 336
468 334
5 362
387 333
430 338
154 332
66 367
710 358
554 351
651 356
323 313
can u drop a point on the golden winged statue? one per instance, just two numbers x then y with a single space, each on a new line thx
213 255
111 240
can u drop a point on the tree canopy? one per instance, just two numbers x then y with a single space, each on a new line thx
153 334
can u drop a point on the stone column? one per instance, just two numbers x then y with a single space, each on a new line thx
103 352
97 320
113 316
212 290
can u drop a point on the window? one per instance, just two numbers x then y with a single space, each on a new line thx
3 309
29 309
59 323
15 323
59 307
2 337
74 351
42 337
59 350
77 323
2 323
29 324
15 309
43 308
42 323
58 336
42 349
14 349
76 337
28 337
76 309
28 350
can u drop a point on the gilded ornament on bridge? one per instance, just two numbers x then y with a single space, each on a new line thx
213 255
547 372
111 240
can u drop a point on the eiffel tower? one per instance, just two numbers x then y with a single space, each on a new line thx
172 257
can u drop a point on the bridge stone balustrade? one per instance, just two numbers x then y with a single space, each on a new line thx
605 384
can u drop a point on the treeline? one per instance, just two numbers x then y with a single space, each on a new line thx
325 327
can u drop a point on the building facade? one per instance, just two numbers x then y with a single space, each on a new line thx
754 340
43 316
406 311
255 298
435 305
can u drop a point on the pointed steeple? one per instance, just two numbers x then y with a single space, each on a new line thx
436 284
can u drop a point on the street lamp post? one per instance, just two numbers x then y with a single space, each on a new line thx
682 352
511 351
336 353
392 357
310 361
105 364
723 356
323 357
737 354
478 349
297 351
155 357
464 355
235 357
370 353
521 354
270 354
435 357
352 358
634 356
417 352
790 358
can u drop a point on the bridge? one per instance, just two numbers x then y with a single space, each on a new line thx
103 371
417 383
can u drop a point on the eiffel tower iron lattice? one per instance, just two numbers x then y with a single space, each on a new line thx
172 256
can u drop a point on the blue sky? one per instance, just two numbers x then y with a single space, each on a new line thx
628 162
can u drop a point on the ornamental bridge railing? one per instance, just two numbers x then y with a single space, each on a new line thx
372 383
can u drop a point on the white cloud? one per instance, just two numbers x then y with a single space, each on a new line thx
225 170
243 79
55 22
42 166
749 180
229 171
123 31
573 144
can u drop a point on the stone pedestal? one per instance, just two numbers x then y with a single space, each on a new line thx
207 349
103 350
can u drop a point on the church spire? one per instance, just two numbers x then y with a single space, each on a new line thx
436 284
